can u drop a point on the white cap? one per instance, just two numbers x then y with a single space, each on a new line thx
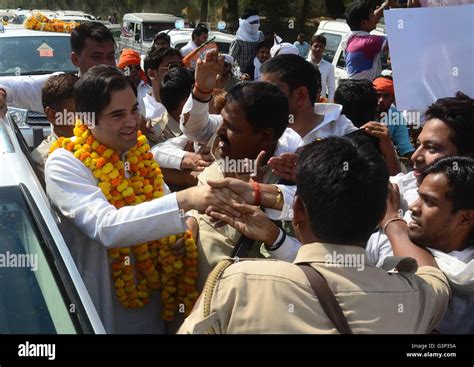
284 48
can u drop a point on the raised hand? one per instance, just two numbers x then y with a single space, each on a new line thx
207 72
284 166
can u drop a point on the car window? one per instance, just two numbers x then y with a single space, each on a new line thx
341 62
151 29
35 55
332 43
31 300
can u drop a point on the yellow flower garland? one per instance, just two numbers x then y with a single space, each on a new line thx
155 265
39 22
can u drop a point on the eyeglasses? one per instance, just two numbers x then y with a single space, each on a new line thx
173 65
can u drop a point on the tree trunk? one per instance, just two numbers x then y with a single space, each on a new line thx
334 8
233 15
303 15
204 7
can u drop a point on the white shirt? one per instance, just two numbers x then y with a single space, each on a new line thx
328 81
24 91
188 48
170 153
153 108
457 265
93 225
378 246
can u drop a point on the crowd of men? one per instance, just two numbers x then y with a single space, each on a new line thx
321 192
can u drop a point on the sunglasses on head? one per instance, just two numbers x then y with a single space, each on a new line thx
173 65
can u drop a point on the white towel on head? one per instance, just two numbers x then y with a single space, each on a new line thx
249 32
284 48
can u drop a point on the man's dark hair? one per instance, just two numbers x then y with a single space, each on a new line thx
459 171
164 37
156 55
357 12
301 35
93 90
57 89
264 105
295 72
175 87
358 99
93 30
344 188
200 29
264 44
458 114
319 38
248 13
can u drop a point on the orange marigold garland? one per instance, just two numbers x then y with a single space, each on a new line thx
39 22
155 266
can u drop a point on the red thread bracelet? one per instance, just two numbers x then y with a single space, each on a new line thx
201 91
257 192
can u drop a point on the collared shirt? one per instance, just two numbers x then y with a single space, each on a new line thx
169 142
243 52
188 48
328 80
271 296
91 225
303 48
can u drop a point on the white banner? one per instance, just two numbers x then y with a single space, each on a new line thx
432 53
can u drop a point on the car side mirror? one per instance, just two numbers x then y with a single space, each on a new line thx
137 37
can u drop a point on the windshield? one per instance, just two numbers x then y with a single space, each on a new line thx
35 55
31 300
151 29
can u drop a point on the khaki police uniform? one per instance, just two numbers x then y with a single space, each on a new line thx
215 244
163 128
271 296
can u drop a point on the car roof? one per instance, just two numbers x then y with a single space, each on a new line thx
151 17
20 31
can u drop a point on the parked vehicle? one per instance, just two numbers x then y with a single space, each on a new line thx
139 29
42 290
28 52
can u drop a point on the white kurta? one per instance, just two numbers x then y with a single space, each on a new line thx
93 225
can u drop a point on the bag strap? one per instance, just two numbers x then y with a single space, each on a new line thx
326 298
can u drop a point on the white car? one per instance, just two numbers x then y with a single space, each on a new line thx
42 290
334 31
29 52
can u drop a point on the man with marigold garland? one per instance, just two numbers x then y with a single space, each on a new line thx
116 206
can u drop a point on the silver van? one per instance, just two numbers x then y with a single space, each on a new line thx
139 29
